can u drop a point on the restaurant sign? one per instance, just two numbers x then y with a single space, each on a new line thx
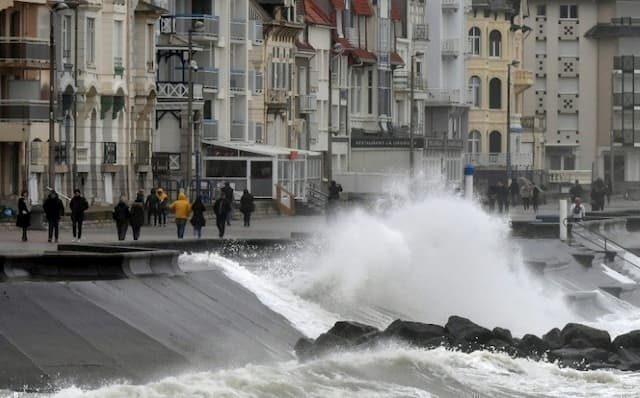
386 142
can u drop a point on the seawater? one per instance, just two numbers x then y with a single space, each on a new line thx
418 256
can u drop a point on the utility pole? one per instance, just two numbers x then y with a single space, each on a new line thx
189 113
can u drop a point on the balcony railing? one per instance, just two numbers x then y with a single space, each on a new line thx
237 80
207 77
31 110
569 176
450 47
522 78
21 49
181 24
307 103
210 129
402 81
142 150
237 28
276 97
450 4
60 154
109 153
256 32
178 91
626 63
421 32
449 96
499 159
237 130
626 136
626 100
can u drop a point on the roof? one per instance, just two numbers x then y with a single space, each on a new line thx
364 56
610 30
304 46
338 4
361 7
396 59
261 149
346 46
314 14
396 14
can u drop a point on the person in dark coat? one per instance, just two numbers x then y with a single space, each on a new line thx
24 215
514 190
152 205
608 191
221 209
247 207
333 198
197 219
502 195
576 191
227 192
53 211
136 215
535 198
121 216
78 205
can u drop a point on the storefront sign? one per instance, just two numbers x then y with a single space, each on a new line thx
386 142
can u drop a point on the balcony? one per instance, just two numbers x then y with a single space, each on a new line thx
445 96
450 47
60 153
569 176
307 103
142 150
402 81
237 130
626 63
237 28
237 80
25 110
209 129
421 32
109 153
256 34
522 80
499 160
181 24
626 100
172 91
626 136
23 51
207 77
450 5
276 98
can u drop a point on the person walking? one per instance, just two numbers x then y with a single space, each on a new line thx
23 219
576 191
227 192
221 209
163 202
137 215
577 211
525 195
53 211
197 219
247 207
78 205
535 198
514 190
182 208
503 197
151 204
121 216
608 191
333 198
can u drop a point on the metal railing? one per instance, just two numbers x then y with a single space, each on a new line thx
316 197
142 152
256 31
450 46
450 4
307 103
183 23
23 48
210 129
110 153
237 130
32 110
208 77
569 176
237 28
236 78
449 96
499 159
178 90
421 32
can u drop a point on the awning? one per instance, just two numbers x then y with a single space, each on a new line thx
262 149
396 59
396 14
364 56
361 7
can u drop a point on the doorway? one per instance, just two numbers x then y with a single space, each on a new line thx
261 178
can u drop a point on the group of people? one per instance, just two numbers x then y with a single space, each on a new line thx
599 192
155 206
504 195
53 211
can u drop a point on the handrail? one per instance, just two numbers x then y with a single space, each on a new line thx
601 236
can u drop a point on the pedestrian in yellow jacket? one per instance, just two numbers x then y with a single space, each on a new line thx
182 208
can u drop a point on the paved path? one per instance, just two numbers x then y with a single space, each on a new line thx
265 227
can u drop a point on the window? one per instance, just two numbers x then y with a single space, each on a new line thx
117 43
541 10
495 42
473 142
495 142
151 38
370 92
495 94
569 11
91 41
474 40
356 91
474 85
66 37
384 89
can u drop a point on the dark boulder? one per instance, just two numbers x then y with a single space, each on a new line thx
350 330
368 340
502 346
329 342
420 334
462 330
592 337
304 348
533 345
628 340
553 338
580 358
503 334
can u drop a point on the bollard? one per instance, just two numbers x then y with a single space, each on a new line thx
468 181
563 220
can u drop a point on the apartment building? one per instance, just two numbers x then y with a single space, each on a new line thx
495 33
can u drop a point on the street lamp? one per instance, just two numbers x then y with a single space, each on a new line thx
197 25
508 162
411 117
337 50
54 7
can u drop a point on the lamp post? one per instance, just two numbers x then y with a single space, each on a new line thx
55 6
197 25
411 116
508 162
338 50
